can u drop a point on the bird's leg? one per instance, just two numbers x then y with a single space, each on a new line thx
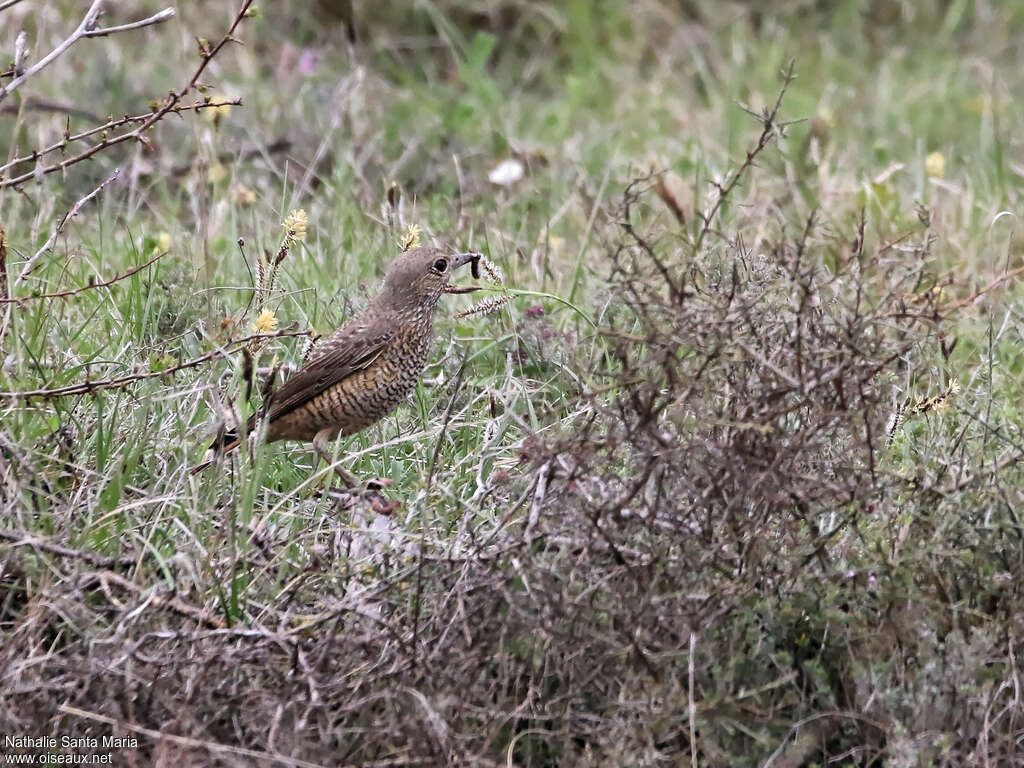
320 441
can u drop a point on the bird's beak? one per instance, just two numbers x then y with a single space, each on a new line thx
460 259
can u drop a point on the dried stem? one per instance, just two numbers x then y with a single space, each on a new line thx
23 539
3 264
184 741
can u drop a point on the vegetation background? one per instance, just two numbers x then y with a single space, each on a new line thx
733 476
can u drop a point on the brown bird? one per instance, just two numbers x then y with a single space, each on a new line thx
368 366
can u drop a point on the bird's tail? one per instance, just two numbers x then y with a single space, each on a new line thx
224 443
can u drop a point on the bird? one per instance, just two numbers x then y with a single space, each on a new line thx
362 371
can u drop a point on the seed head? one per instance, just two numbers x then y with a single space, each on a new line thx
295 227
487 306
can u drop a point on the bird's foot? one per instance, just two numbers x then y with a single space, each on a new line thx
364 487
384 506
345 498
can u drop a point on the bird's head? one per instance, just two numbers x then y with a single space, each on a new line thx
419 276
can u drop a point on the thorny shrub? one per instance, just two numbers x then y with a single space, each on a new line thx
715 562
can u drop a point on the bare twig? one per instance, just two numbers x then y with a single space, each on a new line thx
35 155
75 291
537 503
138 133
87 28
1005 277
87 387
30 264
7 4
156 18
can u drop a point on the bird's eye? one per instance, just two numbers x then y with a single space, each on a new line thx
440 265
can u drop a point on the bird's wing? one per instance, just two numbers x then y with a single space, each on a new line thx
350 350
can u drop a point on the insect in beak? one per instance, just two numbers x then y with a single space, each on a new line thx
473 259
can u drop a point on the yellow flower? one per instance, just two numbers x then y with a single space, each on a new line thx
163 243
935 165
266 322
216 172
410 238
295 226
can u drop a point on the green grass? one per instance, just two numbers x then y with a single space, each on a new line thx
590 95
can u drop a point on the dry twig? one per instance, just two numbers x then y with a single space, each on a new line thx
770 128
62 145
75 291
88 387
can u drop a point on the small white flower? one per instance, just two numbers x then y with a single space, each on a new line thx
506 173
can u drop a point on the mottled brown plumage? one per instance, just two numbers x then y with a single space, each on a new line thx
367 367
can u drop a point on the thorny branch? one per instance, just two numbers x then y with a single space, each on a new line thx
144 123
771 128
35 155
72 212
